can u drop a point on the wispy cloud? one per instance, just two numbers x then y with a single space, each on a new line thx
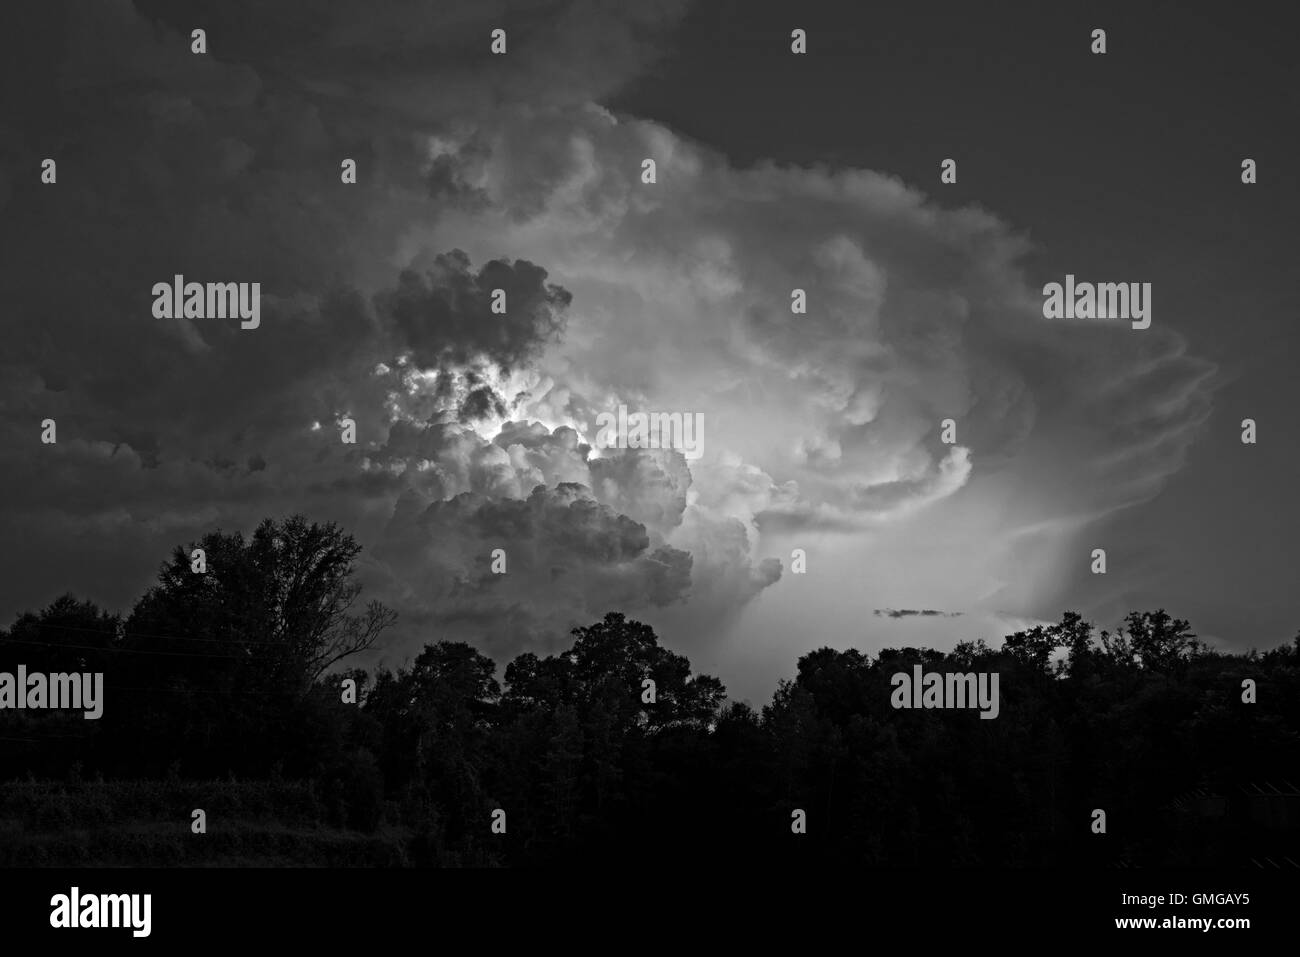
909 612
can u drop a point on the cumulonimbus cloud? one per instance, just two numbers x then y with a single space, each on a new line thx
476 430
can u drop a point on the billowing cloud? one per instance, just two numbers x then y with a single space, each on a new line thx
477 430
833 420
915 315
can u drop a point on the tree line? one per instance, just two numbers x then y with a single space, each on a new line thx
240 671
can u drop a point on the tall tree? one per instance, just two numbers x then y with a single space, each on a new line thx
282 600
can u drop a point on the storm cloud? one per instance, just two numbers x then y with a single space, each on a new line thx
476 430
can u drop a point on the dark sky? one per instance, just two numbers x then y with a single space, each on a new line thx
775 171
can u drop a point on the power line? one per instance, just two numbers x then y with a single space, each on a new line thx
142 634
277 694
120 651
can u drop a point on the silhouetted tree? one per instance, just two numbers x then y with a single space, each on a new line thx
283 600
229 672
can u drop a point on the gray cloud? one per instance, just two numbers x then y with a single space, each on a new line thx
226 167
566 557
475 430
911 612
442 316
